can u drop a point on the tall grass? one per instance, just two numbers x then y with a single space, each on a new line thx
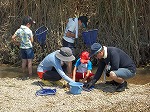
121 23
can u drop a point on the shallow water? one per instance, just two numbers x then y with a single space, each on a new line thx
142 76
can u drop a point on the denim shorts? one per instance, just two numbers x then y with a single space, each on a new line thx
27 53
124 73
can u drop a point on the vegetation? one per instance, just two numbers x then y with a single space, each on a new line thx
121 23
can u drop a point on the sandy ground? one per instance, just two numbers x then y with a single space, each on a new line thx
19 96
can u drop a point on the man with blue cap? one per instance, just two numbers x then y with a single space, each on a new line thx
121 65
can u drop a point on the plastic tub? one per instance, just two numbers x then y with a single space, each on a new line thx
76 87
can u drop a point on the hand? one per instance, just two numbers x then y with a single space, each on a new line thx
91 83
17 43
108 73
83 81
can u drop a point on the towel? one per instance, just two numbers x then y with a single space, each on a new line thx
76 22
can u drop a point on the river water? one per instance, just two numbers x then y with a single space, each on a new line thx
142 76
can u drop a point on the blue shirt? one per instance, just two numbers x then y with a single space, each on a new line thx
51 61
83 67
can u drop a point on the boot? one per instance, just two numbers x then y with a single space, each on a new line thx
121 87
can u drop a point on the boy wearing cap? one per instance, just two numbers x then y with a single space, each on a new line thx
122 66
51 67
82 68
71 31
25 35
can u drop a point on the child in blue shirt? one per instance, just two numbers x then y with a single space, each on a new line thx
82 68
25 35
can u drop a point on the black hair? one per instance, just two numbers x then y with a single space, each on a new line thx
27 20
83 19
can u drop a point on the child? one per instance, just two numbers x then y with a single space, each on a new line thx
83 67
25 35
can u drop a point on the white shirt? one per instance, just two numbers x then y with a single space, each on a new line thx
72 26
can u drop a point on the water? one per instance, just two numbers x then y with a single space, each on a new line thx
13 72
142 76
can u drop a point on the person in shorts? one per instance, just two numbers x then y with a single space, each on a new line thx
23 38
82 68
121 65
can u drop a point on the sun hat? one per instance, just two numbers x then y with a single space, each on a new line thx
96 47
84 20
84 57
27 19
65 54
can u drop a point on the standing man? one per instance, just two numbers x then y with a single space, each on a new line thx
71 31
25 35
121 65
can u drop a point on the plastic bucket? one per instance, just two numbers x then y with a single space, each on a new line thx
89 37
76 87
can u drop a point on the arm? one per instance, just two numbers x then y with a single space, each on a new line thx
14 40
31 39
97 76
62 74
70 34
99 71
89 68
69 68
74 72
85 78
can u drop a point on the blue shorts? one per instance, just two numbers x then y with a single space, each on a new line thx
124 73
27 53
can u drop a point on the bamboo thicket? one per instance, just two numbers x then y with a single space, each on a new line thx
121 23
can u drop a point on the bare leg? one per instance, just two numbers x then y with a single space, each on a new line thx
24 63
115 78
30 67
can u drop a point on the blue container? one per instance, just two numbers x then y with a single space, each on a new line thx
41 33
89 37
76 87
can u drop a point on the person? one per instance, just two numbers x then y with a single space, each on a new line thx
121 65
23 37
71 31
82 68
52 66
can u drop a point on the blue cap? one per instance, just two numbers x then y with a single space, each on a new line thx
96 47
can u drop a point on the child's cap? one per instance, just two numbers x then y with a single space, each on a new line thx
27 19
84 57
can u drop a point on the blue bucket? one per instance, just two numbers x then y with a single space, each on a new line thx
41 33
76 87
89 37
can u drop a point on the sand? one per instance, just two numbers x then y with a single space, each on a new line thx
19 96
